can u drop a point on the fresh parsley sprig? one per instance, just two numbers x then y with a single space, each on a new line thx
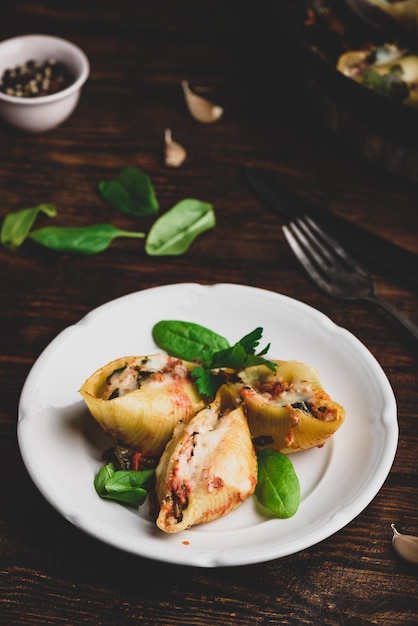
210 351
242 354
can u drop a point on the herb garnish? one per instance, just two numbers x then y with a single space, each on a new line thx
278 488
240 355
126 486
186 339
209 350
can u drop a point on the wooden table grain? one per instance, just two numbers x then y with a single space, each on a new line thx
51 572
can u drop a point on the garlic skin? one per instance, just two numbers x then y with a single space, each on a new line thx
174 154
406 546
201 109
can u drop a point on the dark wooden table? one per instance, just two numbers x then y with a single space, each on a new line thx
53 573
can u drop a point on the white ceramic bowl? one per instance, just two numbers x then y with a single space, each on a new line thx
43 113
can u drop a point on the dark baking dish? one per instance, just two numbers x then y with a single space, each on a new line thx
384 131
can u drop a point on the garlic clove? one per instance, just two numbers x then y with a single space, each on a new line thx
175 154
201 109
406 546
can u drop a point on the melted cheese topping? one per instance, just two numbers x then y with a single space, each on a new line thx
279 392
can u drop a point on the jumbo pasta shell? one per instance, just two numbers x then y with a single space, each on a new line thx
208 468
288 409
139 400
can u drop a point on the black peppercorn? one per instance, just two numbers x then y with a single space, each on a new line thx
34 79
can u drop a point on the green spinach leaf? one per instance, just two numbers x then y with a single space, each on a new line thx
174 232
126 486
16 226
278 487
104 474
84 240
186 340
131 192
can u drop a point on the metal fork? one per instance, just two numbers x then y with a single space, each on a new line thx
334 270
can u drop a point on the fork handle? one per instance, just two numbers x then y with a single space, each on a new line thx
396 314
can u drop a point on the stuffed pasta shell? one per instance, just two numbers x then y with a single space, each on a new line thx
139 400
287 409
208 468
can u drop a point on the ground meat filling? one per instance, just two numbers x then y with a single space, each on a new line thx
283 392
179 496
130 377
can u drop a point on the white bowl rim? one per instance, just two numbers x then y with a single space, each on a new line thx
75 86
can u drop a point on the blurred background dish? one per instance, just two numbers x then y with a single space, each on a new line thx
41 81
381 128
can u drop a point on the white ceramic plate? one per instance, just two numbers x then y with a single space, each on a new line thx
61 444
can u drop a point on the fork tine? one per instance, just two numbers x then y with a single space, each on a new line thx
326 251
330 242
305 261
315 244
312 247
